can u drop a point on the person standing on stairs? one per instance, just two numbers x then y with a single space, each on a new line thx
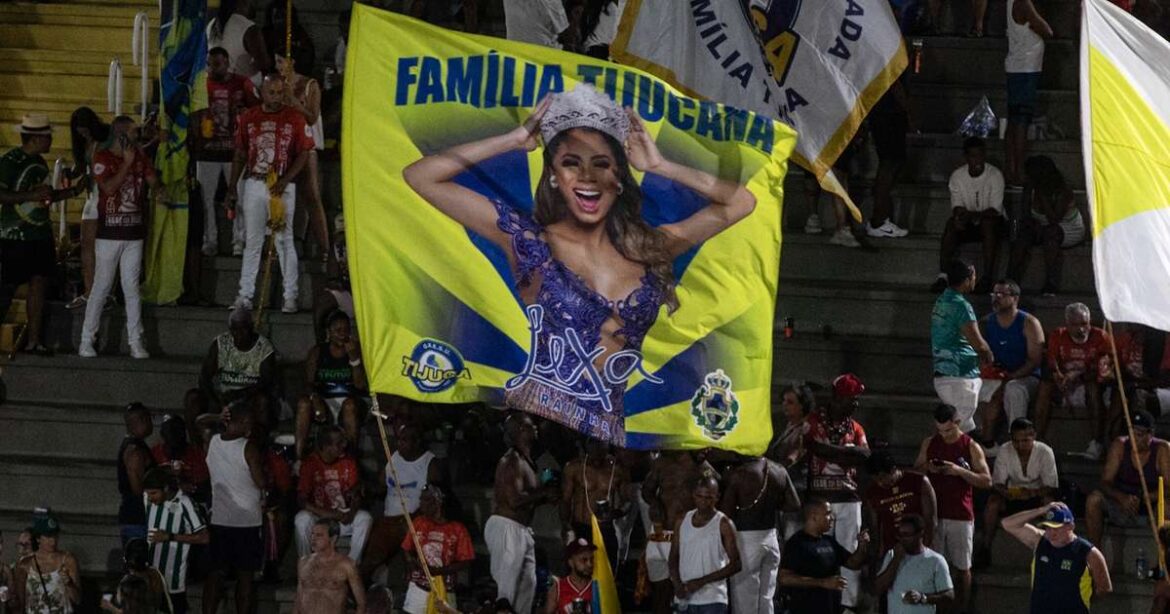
956 465
1067 570
957 347
1026 31
233 29
304 95
27 254
134 460
174 525
87 132
122 172
889 122
273 144
704 554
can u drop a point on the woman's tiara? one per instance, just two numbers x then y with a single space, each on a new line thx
584 107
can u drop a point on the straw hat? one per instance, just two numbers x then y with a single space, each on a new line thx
35 123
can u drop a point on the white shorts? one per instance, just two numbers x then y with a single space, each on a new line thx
658 560
1017 395
954 540
90 210
963 394
416 599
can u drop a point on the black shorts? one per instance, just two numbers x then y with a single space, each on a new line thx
236 548
889 135
20 261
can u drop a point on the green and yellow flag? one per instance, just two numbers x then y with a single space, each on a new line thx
1125 113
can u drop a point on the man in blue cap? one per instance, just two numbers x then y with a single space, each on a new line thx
1067 570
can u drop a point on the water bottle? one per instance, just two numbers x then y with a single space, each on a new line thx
1142 567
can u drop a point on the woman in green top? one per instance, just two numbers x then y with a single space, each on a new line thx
337 382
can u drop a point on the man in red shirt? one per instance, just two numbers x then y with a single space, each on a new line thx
271 139
956 465
837 447
1073 371
228 95
445 544
328 489
122 172
577 585
894 493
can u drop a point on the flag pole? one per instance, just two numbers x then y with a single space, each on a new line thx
377 413
1154 522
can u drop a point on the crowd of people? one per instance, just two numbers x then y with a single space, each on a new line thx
822 522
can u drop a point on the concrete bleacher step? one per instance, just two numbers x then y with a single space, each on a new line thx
82 487
1009 592
978 62
105 39
912 262
180 331
82 88
864 308
93 539
221 278
1120 547
957 17
38 430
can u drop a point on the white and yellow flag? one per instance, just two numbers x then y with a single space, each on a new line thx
818 66
1125 116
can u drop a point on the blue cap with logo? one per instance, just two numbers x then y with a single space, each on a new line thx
1057 516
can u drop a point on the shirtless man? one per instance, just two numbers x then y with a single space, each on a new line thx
637 464
595 484
756 489
517 493
323 575
668 491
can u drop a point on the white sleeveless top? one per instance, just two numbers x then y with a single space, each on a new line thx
413 477
232 40
235 499
1025 47
700 553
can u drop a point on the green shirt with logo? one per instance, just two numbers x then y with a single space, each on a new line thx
28 221
953 356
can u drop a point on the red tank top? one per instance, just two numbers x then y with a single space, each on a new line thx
953 493
567 593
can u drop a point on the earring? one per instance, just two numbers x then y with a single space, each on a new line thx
552 182
621 188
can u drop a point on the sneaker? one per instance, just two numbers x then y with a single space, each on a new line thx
888 230
78 302
240 302
844 237
138 352
210 250
290 306
86 350
939 284
237 249
1094 451
813 225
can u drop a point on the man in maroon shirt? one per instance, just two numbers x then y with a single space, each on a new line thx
271 140
956 465
894 493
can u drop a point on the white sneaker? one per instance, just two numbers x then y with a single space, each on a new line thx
237 249
888 230
813 225
78 301
844 237
85 350
290 306
137 351
1094 451
241 302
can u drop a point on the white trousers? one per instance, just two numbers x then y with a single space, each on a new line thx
846 528
254 203
754 586
358 531
513 561
624 526
962 393
1017 394
111 256
208 174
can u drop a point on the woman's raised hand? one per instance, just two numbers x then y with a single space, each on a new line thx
526 135
640 146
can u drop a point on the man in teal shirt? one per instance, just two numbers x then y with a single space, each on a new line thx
957 346
26 237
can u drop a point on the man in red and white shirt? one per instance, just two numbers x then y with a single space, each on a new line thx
271 139
328 489
837 446
1073 374
446 545
212 143
122 172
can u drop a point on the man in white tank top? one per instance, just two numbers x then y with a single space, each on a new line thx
703 555
241 38
1026 31
237 489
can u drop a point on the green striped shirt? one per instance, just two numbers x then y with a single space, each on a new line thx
179 517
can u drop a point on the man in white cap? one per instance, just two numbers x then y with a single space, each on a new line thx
26 239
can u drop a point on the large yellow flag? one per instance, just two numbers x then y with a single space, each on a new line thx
1125 113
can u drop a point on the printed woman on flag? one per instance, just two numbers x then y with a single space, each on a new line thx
591 271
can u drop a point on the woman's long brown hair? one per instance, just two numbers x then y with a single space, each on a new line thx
633 238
